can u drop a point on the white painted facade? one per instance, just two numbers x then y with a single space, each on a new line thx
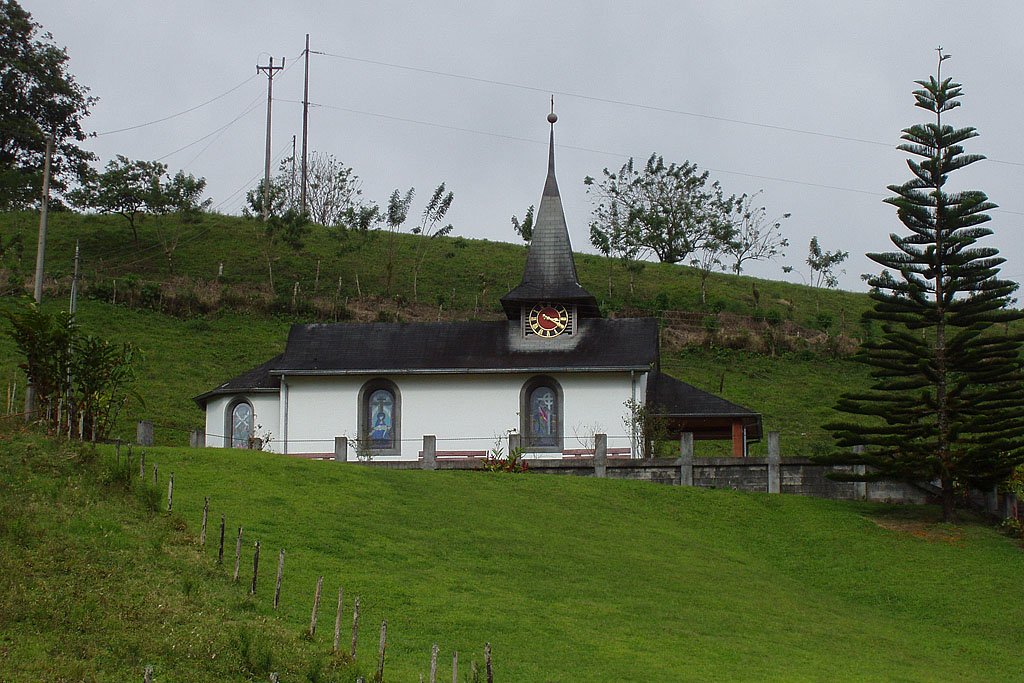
464 411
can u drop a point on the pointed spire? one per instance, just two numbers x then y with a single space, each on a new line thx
550 273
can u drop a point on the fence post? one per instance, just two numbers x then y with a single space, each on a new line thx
206 513
686 459
238 554
170 491
433 664
355 628
220 552
514 442
316 606
197 438
429 461
487 663
600 455
255 568
860 488
280 574
1010 510
341 449
144 433
774 464
381 650
337 619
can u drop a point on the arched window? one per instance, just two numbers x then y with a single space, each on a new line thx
240 424
540 410
380 411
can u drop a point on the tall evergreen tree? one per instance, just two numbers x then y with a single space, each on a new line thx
947 403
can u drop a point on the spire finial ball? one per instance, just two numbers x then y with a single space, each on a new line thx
552 117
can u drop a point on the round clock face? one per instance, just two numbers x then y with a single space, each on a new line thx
547 320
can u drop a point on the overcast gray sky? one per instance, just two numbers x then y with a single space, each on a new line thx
802 99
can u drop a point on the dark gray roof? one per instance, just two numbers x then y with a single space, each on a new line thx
476 346
550 272
256 380
672 398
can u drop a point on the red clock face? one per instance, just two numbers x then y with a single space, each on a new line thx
548 320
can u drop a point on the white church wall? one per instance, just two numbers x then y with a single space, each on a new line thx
266 419
466 412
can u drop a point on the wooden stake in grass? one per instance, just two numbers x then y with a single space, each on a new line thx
220 553
206 512
255 568
316 606
433 664
455 667
355 628
280 573
142 464
147 674
487 663
170 491
238 554
156 474
337 619
380 650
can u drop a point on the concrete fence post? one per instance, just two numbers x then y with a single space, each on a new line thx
774 464
992 501
1010 510
144 433
514 442
341 449
600 455
429 452
197 438
860 488
686 459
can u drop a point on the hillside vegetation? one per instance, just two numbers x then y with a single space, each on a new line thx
568 579
775 347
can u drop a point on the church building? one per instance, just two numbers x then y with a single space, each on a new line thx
556 372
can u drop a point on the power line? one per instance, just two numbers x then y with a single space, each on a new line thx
252 106
625 103
180 113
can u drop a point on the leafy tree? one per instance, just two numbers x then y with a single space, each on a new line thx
37 97
755 237
947 403
333 190
823 264
134 188
669 210
394 219
429 228
75 375
709 257
284 226
525 228
609 238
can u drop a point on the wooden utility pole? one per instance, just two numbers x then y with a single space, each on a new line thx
305 127
30 390
291 191
269 70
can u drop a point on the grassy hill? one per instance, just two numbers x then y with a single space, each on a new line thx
197 328
568 579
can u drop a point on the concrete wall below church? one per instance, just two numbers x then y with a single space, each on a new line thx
466 412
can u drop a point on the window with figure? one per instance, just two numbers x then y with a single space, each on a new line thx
379 417
240 425
541 408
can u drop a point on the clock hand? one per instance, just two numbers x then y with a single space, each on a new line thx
549 318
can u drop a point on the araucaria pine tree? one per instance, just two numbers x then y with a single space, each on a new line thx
947 403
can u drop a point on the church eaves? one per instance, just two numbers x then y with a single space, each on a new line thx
550 272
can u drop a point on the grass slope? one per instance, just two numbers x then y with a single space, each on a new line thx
601 580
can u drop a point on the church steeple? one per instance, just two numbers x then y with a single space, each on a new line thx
550 273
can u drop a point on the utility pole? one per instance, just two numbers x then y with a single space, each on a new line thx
73 305
30 390
305 127
43 208
269 70
291 193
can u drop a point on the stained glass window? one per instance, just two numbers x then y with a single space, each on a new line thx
381 419
241 425
543 417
